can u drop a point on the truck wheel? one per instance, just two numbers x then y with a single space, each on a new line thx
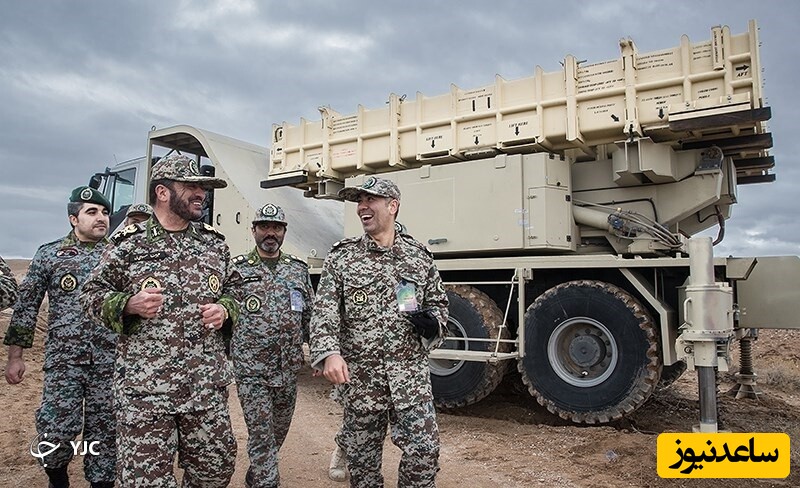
591 352
671 373
459 383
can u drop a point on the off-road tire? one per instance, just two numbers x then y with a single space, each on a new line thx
474 314
591 352
671 373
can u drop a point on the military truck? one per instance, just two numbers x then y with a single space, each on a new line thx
560 209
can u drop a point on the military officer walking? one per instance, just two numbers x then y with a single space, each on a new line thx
380 307
267 342
167 287
8 286
79 352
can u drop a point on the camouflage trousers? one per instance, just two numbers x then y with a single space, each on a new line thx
268 414
413 430
204 441
75 399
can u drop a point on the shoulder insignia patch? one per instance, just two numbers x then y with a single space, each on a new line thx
211 229
126 232
345 241
291 257
57 241
407 238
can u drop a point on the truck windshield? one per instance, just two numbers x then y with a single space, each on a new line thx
118 188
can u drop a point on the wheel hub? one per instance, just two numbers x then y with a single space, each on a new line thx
587 350
582 352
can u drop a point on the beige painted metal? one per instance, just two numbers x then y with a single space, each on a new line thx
770 297
313 225
579 107
708 312
506 203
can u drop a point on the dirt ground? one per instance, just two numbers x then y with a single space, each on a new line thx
505 440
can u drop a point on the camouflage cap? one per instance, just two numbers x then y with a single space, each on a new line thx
270 213
87 194
177 167
372 185
140 208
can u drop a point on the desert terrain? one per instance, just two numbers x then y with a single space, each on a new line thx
505 440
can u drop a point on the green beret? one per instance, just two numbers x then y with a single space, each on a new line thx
87 194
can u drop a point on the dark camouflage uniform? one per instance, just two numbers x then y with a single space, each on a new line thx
171 376
78 358
8 286
267 353
357 315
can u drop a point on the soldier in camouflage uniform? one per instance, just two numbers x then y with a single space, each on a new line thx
8 286
381 306
79 352
267 342
138 212
167 287
337 469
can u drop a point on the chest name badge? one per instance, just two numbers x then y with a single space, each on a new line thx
68 282
296 298
406 296
252 304
213 283
359 297
150 282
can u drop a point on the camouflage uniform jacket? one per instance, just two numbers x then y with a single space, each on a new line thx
59 268
8 286
357 315
171 363
276 305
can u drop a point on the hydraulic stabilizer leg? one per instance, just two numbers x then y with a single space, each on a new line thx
707 389
707 331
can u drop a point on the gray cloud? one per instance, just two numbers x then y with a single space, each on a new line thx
82 82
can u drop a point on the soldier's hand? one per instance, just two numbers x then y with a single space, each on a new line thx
214 315
335 370
425 323
15 370
147 303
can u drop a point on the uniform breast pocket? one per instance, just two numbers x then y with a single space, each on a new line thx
361 299
211 277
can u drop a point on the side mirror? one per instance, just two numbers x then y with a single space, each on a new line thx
94 181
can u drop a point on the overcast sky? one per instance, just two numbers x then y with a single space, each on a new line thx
81 82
